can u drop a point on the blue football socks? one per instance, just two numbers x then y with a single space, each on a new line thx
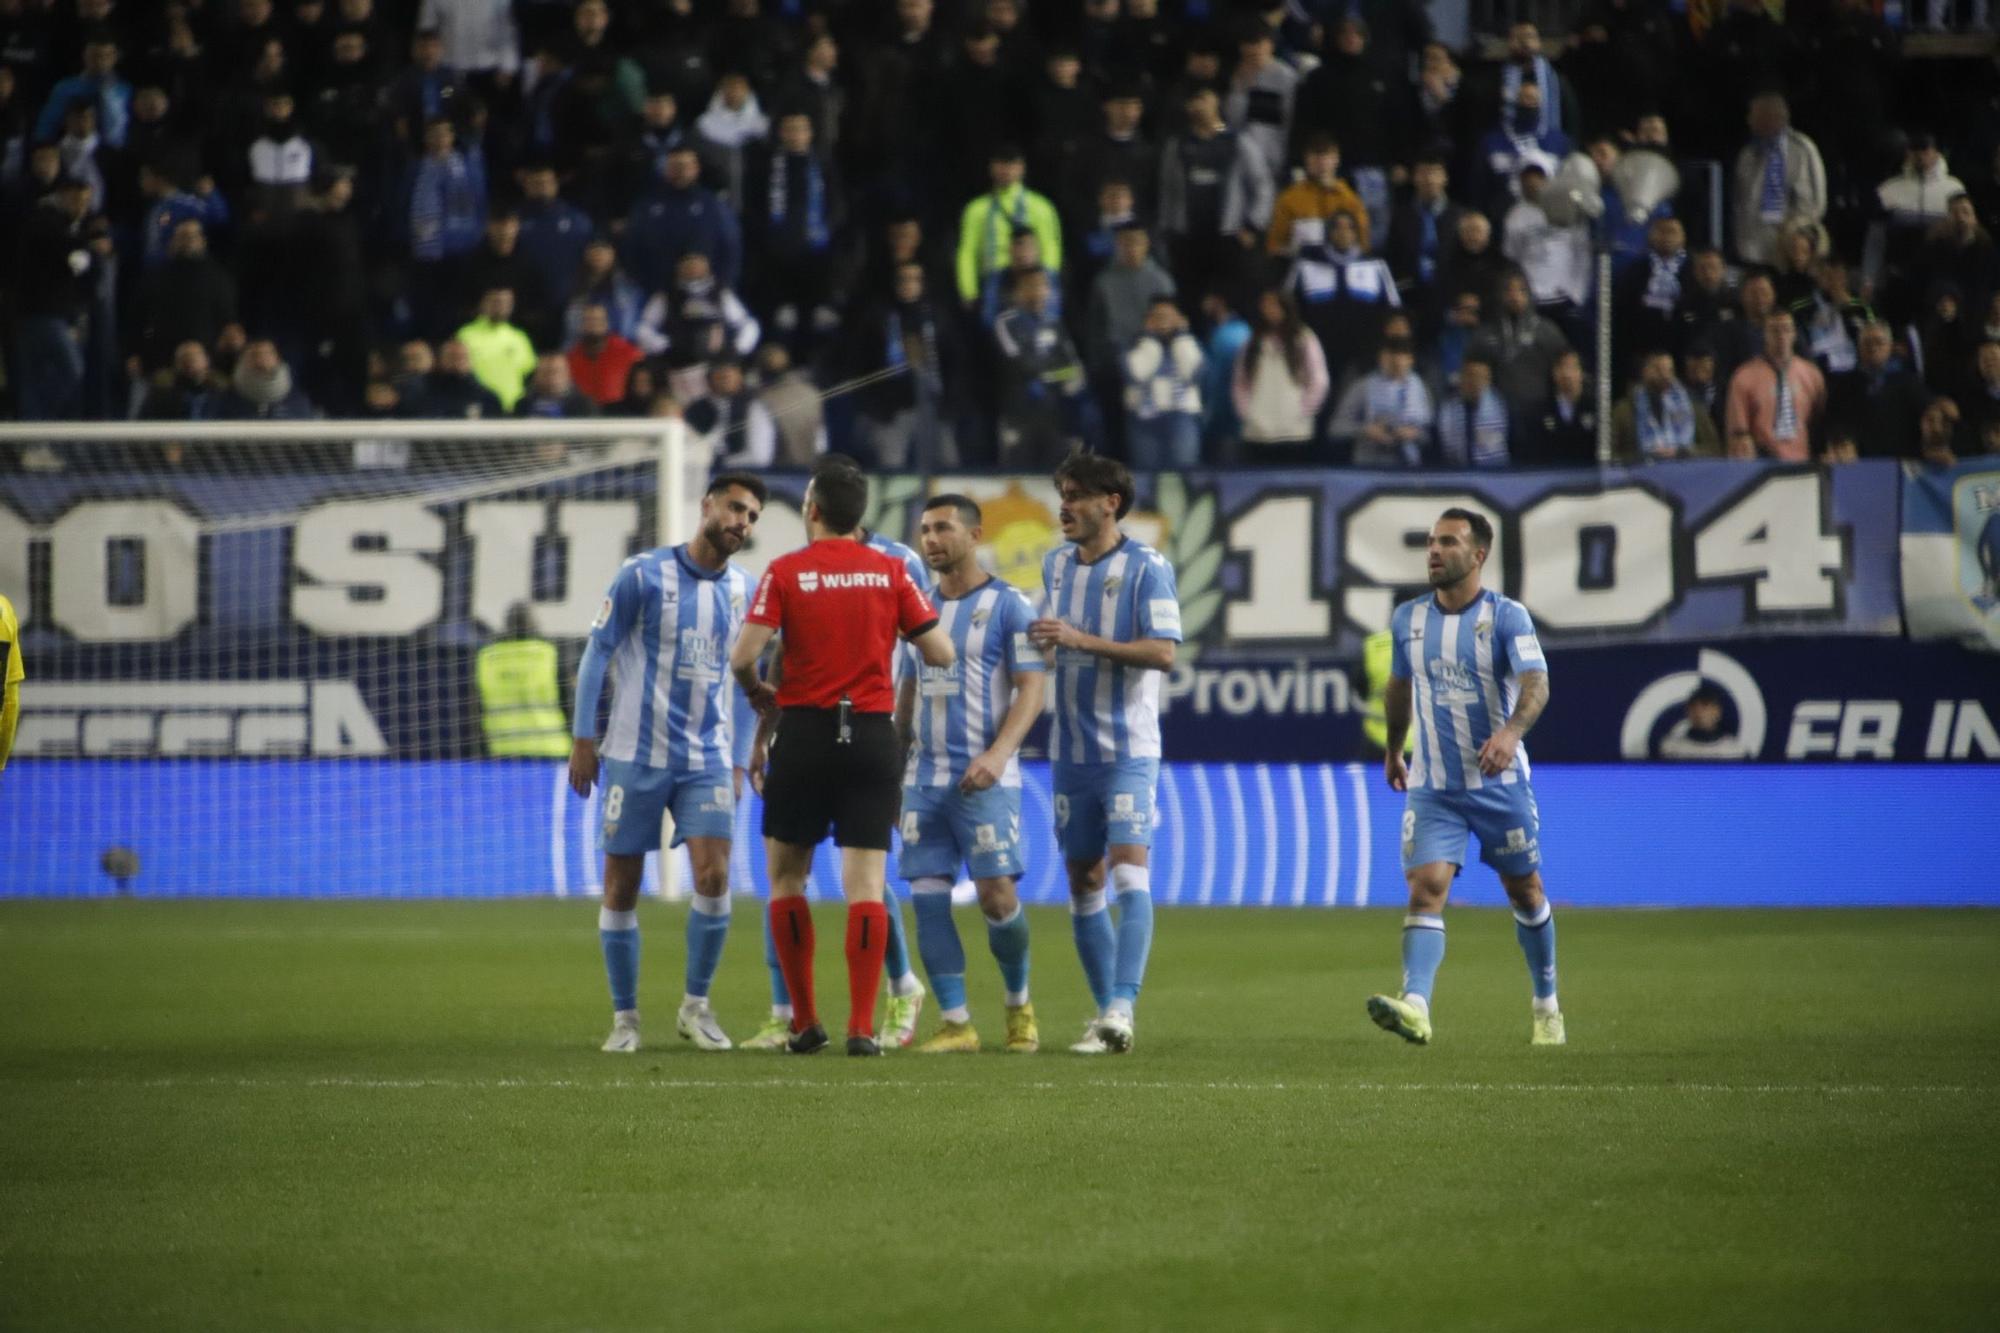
781 998
707 929
618 933
1009 941
1135 930
1096 943
1537 932
1423 950
938 943
896 961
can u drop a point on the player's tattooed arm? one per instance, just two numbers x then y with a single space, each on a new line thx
1533 699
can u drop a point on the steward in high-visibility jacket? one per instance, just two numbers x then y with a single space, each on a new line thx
520 694
11 673
1376 653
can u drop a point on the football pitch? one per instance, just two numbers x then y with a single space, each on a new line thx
368 1115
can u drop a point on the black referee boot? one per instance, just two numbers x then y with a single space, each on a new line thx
862 1046
805 1043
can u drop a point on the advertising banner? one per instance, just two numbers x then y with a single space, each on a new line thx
1951 553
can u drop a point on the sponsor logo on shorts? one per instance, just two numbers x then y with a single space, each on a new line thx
985 838
718 802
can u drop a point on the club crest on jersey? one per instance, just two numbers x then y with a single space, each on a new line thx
1483 630
980 617
1113 584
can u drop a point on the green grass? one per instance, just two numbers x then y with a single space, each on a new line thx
368 1115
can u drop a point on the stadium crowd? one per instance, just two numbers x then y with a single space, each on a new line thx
1182 231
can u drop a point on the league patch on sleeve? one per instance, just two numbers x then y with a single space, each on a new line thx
1164 612
1527 646
603 615
1024 649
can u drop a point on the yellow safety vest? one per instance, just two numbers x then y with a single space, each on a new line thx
520 701
1377 651
11 673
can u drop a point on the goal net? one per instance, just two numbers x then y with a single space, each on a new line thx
254 649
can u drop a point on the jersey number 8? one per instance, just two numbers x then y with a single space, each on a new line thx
614 802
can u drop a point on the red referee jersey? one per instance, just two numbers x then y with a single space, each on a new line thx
840 606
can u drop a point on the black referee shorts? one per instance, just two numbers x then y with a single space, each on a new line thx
815 782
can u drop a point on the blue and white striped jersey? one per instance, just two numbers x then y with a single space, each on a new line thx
1106 711
920 574
959 708
1465 669
668 626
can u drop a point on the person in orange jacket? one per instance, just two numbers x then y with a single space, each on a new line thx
1320 195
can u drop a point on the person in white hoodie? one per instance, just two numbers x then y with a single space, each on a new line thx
1279 385
1556 259
734 120
1163 374
1920 194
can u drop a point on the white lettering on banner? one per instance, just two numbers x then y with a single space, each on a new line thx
395 588
171 719
1640 534
595 534
1241 691
1961 729
164 541
1776 536
1277 535
1844 729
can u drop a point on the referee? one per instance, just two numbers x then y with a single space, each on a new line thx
834 762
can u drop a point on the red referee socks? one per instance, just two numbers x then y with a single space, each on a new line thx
792 933
867 941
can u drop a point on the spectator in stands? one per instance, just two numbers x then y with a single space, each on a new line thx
1258 103
445 217
1629 239
1800 246
1216 196
1742 340
642 149
190 393
502 355
281 158
694 321
1228 332
905 419
1163 376
1279 386
1422 231
261 389
1982 400
169 204
1660 421
1775 401
679 218
1555 260
1303 207
600 281
1091 250
1444 117
1122 150
451 390
1387 416
1553 101
796 204
83 152
1119 302
552 393
1473 424
1878 404
1832 318
1342 294
1698 377
730 129
1042 385
815 89
1561 430
427 90
1519 345
1454 341
189 298
1647 297
1779 180
1522 136
600 361
1960 251
1472 263
478 38
1060 112
986 226
1364 108
730 421
797 411
498 262
98 85
1705 304
553 233
1937 434
1919 195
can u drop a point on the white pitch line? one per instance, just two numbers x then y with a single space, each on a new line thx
1136 1085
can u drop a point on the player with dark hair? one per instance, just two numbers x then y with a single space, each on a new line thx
678 741
834 764
1111 621
962 788
1472 662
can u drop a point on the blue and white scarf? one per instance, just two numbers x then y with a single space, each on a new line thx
1400 402
896 354
1785 412
818 236
1474 436
441 193
1665 423
1663 282
1545 79
1771 194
